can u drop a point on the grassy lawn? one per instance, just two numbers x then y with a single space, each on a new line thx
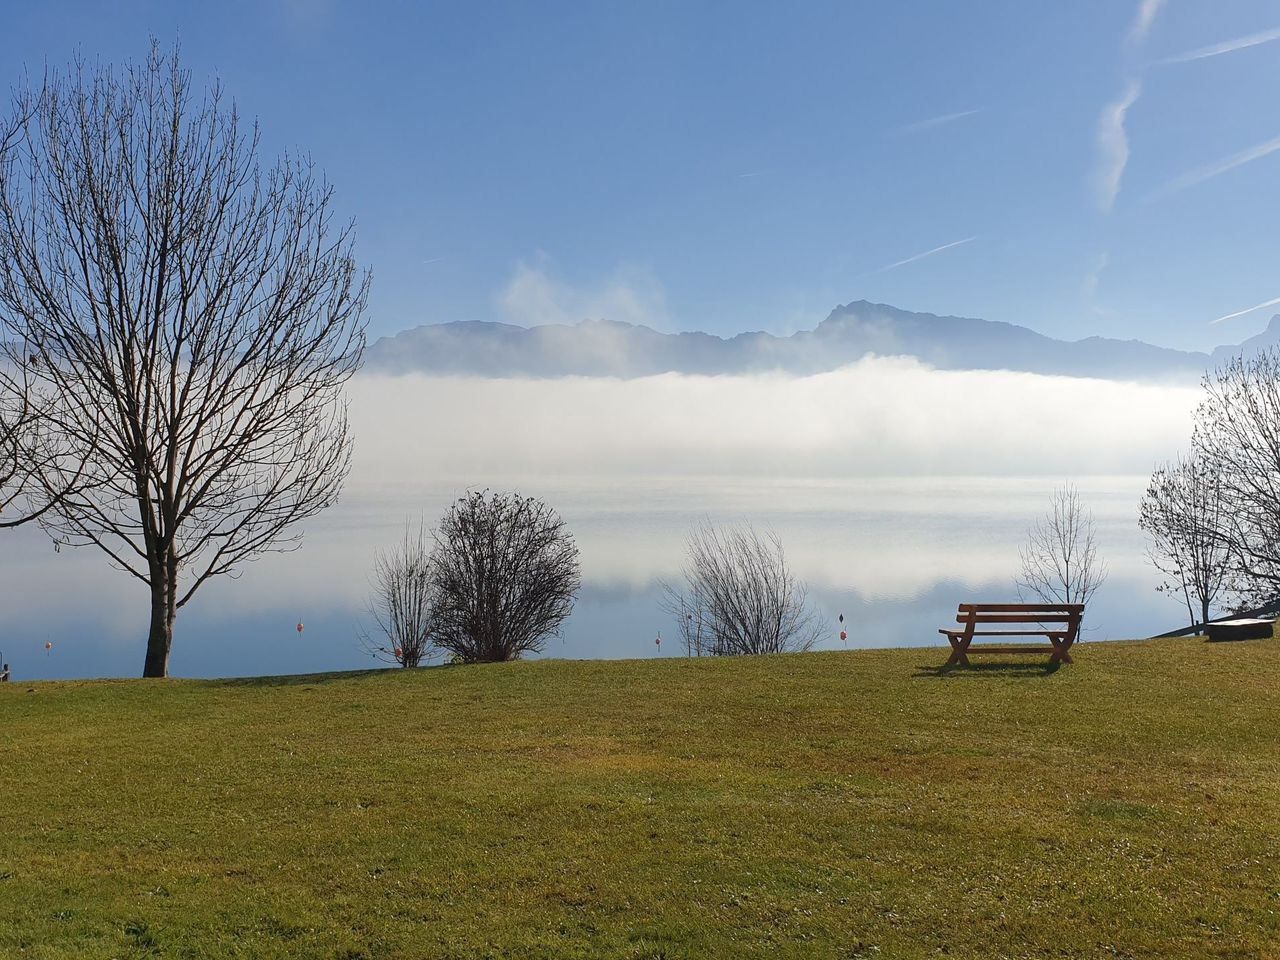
822 805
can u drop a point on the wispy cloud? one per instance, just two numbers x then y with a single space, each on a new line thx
927 253
1113 145
753 173
937 121
1146 16
434 260
1217 168
534 297
1094 276
1241 313
1227 46
1112 138
1093 283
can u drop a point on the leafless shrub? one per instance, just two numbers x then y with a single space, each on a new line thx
1060 562
739 596
401 607
187 323
504 576
1184 514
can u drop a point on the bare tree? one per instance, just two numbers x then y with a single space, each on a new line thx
1060 561
189 322
1238 430
504 577
401 607
740 596
1184 515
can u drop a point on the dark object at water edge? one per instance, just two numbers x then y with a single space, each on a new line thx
1243 629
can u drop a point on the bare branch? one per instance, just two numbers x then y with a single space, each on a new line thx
1238 434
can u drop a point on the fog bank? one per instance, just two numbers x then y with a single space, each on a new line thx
879 417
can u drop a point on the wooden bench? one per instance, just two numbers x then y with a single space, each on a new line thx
1059 622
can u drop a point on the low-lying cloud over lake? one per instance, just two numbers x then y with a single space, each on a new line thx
898 490
879 417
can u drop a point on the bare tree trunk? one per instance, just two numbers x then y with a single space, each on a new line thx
164 610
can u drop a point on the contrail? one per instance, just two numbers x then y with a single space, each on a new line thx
1217 169
1227 46
927 253
1241 313
937 121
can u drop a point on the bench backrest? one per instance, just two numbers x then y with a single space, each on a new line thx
1021 607
1069 614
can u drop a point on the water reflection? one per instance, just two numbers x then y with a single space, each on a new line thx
894 555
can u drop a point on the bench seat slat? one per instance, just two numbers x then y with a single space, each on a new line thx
1006 648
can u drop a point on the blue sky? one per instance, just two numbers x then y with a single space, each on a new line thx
1105 167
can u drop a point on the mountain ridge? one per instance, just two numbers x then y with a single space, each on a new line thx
849 333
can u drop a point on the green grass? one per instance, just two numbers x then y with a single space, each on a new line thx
824 805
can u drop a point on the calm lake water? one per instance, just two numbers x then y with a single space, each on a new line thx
893 554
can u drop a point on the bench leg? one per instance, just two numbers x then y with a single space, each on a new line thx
958 655
1061 646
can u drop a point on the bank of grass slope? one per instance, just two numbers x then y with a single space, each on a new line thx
820 805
